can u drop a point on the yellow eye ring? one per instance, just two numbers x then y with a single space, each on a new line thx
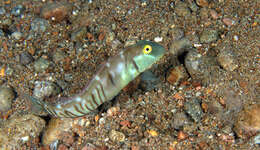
147 49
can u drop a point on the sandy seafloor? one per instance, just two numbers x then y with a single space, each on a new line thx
203 94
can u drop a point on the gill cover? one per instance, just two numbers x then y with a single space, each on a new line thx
150 53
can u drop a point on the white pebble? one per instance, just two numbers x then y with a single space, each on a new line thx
158 39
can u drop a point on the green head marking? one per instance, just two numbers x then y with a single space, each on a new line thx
150 53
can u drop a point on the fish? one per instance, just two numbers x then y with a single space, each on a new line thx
109 80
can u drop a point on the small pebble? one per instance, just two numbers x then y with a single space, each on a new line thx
17 10
152 133
180 120
113 111
181 135
110 36
59 56
6 97
208 36
45 89
176 75
2 33
176 33
257 139
182 10
228 21
25 58
17 35
227 60
2 10
193 108
79 34
158 39
41 65
202 3
214 14
56 11
116 136
39 25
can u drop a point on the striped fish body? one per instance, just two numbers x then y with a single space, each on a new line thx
110 79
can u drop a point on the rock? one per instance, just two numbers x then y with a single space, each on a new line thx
208 36
116 136
2 33
25 58
248 121
227 60
228 21
59 56
257 139
6 97
17 35
17 10
45 89
176 75
182 10
204 68
180 119
193 109
41 65
19 130
56 127
2 10
148 81
177 47
56 11
214 14
39 25
202 3
176 33
79 34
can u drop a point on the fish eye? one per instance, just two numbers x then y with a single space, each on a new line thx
147 49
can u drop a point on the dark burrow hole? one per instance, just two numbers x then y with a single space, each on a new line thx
181 57
6 31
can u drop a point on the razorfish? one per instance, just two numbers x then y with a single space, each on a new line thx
109 80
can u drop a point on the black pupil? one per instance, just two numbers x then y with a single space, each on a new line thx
147 49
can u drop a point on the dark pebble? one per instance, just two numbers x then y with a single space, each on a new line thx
25 58
193 109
